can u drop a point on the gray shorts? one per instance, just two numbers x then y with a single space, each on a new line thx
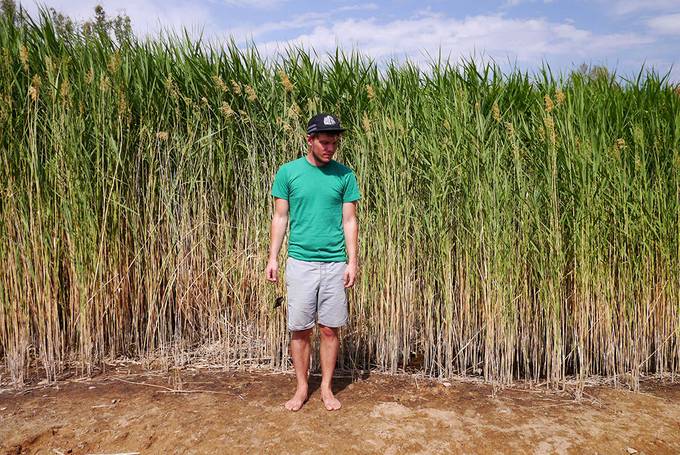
315 289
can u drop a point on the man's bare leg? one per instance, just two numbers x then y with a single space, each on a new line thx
329 353
299 351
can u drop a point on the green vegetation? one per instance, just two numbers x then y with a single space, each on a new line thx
511 226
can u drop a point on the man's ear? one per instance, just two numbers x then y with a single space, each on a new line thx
310 138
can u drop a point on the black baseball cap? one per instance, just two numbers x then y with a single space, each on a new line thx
324 123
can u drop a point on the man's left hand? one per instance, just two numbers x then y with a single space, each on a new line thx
350 275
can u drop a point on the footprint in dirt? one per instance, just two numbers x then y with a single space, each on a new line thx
391 409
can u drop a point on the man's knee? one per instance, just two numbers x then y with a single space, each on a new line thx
328 332
301 334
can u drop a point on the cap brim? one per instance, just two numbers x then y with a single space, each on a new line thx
329 130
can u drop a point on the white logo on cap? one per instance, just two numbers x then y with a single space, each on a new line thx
328 120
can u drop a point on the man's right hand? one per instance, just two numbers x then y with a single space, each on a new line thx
272 270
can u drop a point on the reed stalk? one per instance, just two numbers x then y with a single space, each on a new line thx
513 226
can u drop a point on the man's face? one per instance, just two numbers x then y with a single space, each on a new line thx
323 146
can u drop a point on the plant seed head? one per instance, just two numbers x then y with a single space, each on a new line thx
122 104
252 97
619 145
23 57
496 112
366 123
549 105
294 112
550 129
114 62
36 82
104 84
510 129
235 87
285 81
638 135
65 91
171 87
370 92
219 83
226 110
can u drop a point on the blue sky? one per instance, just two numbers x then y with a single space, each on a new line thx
620 34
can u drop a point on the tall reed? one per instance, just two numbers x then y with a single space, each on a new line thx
512 225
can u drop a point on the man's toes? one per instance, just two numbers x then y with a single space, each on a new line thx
293 405
332 404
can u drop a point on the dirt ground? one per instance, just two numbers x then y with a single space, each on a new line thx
132 411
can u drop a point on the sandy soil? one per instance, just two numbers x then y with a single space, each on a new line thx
220 412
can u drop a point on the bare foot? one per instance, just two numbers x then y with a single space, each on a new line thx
329 400
295 403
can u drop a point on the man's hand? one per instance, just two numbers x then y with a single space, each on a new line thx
350 226
272 270
350 274
278 231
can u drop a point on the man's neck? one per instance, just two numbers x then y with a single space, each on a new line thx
311 159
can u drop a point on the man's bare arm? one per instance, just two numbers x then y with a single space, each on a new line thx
277 233
350 226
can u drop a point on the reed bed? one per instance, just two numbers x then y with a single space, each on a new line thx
512 226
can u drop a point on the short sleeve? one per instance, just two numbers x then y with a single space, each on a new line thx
351 188
280 186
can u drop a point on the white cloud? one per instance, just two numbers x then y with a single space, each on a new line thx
668 24
511 3
147 16
636 6
363 7
259 4
527 41
301 22
523 40
306 21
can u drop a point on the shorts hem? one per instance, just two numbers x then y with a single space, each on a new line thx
335 325
295 329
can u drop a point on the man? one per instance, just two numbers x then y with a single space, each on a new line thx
321 196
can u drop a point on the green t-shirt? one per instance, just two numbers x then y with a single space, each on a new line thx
315 196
